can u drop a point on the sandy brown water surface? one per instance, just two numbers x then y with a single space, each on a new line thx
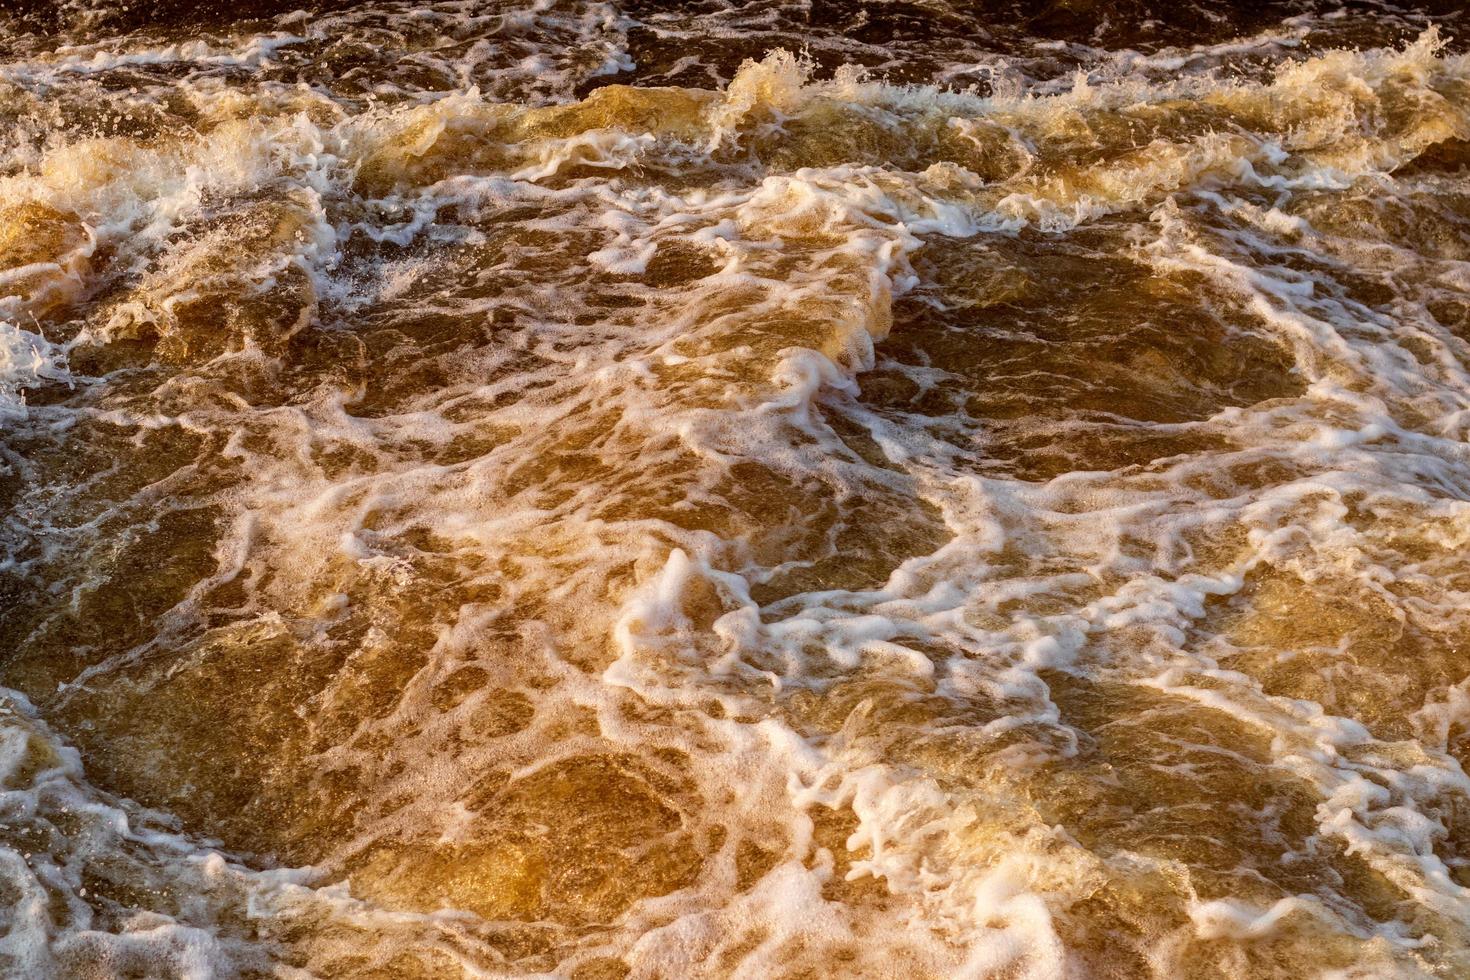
761 489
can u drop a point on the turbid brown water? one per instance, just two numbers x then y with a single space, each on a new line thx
772 489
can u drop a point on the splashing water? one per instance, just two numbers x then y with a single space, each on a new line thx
734 490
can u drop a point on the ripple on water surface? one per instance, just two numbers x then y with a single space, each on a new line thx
584 491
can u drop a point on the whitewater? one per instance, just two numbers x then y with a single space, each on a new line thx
770 489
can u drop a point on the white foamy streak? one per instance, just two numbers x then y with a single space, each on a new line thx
1362 446
27 360
59 838
251 53
978 918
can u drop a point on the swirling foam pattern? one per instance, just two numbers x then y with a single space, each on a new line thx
734 489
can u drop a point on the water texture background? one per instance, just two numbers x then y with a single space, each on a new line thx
734 489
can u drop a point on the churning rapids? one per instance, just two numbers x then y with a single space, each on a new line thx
787 489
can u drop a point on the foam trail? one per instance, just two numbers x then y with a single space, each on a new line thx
588 491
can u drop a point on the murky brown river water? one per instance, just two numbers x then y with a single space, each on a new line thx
759 489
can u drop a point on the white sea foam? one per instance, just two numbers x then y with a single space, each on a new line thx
27 360
580 400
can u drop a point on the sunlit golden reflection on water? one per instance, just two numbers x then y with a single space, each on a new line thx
588 492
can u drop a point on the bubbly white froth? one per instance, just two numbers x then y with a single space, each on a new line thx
470 519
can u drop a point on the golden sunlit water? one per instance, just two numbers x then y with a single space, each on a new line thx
770 489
